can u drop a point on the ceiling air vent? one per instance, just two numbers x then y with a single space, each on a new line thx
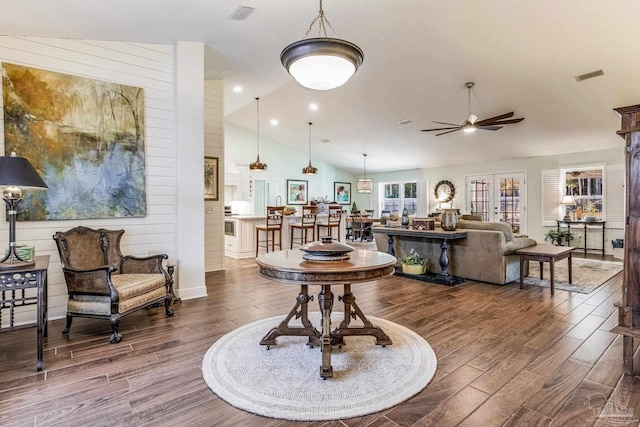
590 75
242 13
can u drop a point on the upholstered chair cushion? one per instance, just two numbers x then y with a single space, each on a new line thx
134 290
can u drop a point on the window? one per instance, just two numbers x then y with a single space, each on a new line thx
586 187
395 200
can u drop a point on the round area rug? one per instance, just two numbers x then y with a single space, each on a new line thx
284 382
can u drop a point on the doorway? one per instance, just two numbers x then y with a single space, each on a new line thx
498 197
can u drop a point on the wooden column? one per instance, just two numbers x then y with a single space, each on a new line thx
629 309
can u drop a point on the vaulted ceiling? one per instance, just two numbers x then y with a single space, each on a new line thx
522 55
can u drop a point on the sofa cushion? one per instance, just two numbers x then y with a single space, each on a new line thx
494 226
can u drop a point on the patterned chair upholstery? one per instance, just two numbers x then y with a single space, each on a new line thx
103 283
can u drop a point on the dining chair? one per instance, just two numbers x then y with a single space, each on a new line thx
308 223
273 224
358 225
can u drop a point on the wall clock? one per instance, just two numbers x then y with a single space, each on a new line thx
445 191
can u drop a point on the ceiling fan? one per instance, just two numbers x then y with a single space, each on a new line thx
472 123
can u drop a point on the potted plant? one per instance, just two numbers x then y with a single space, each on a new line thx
558 236
414 263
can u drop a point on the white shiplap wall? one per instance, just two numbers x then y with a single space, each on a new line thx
150 66
213 146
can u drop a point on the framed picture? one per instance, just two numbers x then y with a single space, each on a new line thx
211 178
297 192
342 193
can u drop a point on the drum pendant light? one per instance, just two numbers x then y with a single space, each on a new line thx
364 185
321 63
309 170
258 166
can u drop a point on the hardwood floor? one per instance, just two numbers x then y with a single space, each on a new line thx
506 357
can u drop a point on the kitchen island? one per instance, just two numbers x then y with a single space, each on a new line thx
240 233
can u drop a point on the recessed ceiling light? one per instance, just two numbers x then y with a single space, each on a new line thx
237 89
313 107
274 122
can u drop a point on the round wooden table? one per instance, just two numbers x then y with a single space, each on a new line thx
288 266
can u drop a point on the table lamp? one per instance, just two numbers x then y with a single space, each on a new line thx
16 173
567 201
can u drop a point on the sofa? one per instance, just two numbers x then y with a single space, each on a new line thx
487 254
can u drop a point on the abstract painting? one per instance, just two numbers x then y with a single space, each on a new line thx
297 192
85 138
342 193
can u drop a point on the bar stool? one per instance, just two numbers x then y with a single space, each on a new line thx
275 215
308 223
333 221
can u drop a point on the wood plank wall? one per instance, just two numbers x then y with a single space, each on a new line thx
150 66
213 146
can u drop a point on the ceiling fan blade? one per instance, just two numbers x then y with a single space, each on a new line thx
493 119
506 122
455 130
490 127
457 127
445 123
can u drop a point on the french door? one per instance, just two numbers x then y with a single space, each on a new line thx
498 197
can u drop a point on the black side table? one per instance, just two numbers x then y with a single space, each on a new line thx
585 224
13 286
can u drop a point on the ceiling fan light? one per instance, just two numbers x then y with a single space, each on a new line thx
322 63
469 128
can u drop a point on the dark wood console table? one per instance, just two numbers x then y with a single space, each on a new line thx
443 277
13 286
586 225
288 266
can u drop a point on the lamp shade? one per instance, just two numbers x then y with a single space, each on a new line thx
257 166
364 185
18 172
568 200
322 63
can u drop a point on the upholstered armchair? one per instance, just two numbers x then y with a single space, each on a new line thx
103 283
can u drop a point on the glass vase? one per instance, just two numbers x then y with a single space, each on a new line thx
404 221
449 220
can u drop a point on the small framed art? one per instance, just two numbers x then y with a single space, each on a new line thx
297 192
211 178
342 193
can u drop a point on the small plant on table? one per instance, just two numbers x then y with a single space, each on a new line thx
414 263
558 236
